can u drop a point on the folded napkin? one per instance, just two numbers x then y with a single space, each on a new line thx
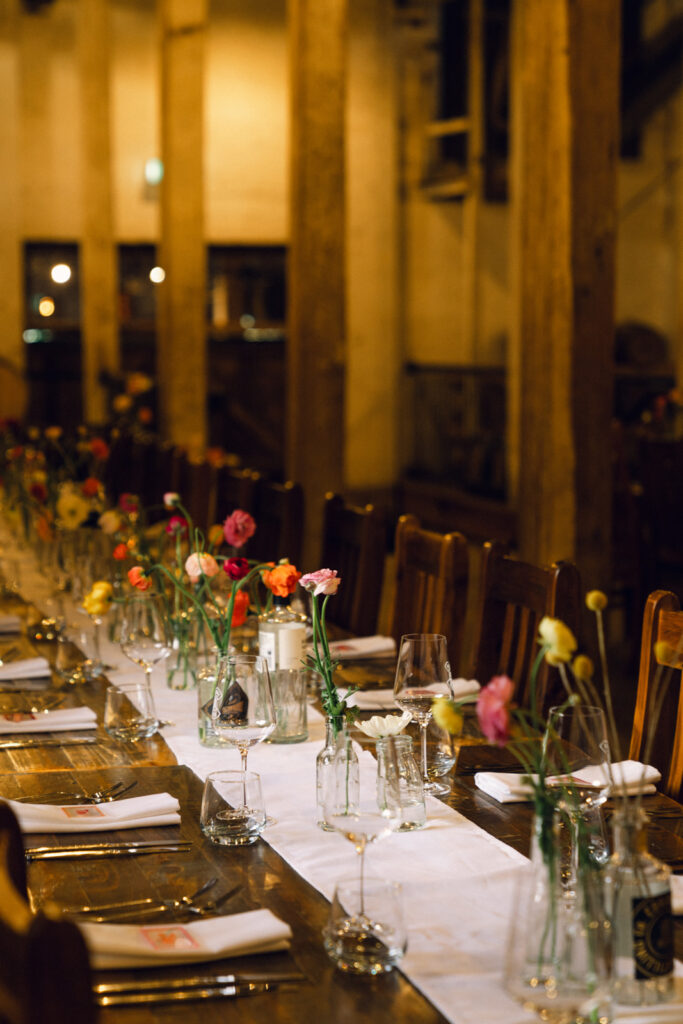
124 945
363 647
59 720
375 700
25 668
136 812
10 624
631 778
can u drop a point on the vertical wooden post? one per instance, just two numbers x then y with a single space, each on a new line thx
12 361
472 201
181 348
98 263
565 131
316 328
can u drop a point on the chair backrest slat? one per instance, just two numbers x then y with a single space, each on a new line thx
354 543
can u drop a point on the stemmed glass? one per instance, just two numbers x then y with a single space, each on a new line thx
242 708
144 636
422 675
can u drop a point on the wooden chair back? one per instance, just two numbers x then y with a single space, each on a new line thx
200 493
662 621
430 594
117 469
279 515
354 543
513 598
44 970
661 479
235 488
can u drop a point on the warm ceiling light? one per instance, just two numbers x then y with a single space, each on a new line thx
60 273
157 275
154 171
46 306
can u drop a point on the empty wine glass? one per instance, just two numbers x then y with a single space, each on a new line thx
423 674
144 635
241 708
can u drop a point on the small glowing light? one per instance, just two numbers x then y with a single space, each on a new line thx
247 320
154 171
157 275
60 273
46 306
31 336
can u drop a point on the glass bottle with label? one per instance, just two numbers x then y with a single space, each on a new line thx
639 902
282 636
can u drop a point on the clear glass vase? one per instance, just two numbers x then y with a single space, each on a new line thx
397 751
208 679
337 756
558 955
181 667
639 902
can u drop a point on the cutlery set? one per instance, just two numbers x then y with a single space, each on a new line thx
121 912
39 741
116 849
201 986
96 796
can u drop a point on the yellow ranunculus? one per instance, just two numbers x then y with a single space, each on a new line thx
583 667
447 715
557 638
596 601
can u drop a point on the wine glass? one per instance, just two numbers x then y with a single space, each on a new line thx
242 709
577 761
423 674
144 634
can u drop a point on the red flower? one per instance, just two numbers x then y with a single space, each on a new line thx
38 491
493 710
99 448
238 528
239 609
138 578
90 487
236 568
128 503
177 525
120 552
145 415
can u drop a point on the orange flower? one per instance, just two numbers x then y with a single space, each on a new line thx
282 580
90 487
138 578
44 528
99 448
120 552
239 609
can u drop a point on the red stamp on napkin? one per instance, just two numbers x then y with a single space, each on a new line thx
19 716
83 812
175 937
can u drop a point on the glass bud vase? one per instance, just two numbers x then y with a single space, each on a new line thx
398 751
639 902
209 678
181 667
337 756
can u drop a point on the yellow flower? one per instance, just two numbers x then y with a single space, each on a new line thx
557 638
447 715
668 655
98 600
215 535
583 667
596 601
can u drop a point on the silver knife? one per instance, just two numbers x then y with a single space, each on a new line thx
185 994
197 981
35 741
105 850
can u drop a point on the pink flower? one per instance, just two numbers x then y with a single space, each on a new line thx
493 710
323 581
177 525
238 528
236 568
198 564
171 499
129 503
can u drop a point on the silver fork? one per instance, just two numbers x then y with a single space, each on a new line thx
213 905
130 908
97 796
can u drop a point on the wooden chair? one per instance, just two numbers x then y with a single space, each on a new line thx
430 595
662 620
117 469
354 543
279 515
44 971
235 488
200 494
661 477
513 598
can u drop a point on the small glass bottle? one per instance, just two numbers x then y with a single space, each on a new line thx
410 787
282 636
336 772
639 904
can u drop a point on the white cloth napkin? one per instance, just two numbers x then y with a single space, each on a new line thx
363 647
59 720
25 668
136 812
375 700
509 787
10 624
123 945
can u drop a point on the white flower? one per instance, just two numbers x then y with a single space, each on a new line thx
110 521
389 725
72 507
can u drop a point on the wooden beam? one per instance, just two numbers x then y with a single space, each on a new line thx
181 347
317 287
565 131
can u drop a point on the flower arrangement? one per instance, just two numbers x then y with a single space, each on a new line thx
324 583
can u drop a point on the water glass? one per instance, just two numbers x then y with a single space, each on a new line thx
290 699
233 812
368 937
129 713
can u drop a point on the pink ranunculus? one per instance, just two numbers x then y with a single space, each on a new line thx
236 568
171 499
238 528
323 581
177 525
199 563
493 709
